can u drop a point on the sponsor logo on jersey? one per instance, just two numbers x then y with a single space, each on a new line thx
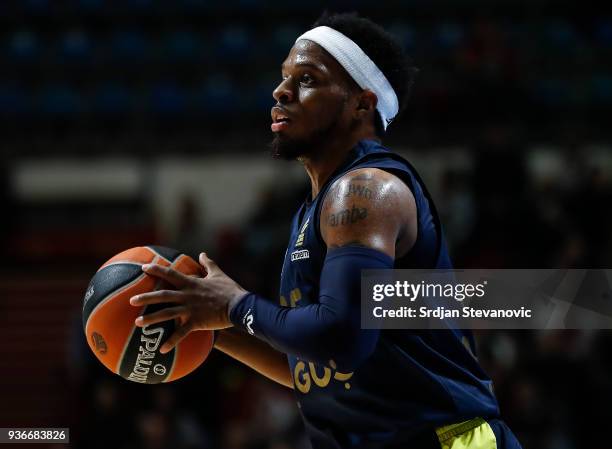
307 375
299 255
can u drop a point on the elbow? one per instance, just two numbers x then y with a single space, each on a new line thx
346 346
355 353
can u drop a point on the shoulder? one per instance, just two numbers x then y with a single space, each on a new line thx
379 187
367 206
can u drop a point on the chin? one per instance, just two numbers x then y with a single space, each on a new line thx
283 147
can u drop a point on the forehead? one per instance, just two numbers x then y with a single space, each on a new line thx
305 52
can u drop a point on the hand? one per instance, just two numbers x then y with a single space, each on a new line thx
200 303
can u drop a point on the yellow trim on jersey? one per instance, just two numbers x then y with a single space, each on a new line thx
473 434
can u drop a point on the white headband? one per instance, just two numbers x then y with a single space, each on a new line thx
361 68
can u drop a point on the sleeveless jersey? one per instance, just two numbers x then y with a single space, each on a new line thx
415 380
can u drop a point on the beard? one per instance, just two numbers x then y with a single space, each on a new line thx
289 149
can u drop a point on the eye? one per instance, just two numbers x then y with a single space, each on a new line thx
306 79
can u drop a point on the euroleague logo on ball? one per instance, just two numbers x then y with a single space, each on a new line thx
99 343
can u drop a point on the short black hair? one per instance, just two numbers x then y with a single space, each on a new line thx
382 48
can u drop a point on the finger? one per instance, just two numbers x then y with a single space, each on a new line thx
180 333
209 265
157 297
168 274
169 313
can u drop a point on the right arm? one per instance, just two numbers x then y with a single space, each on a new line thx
366 214
256 354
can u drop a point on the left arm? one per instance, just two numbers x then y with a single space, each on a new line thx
256 354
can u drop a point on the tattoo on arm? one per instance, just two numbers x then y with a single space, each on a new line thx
367 207
355 189
347 216
363 177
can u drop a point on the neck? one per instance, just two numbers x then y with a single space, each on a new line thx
329 156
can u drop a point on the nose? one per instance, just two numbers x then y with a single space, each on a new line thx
283 92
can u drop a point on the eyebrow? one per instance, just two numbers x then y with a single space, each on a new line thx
318 67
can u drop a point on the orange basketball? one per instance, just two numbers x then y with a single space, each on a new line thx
108 319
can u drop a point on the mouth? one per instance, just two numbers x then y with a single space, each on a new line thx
280 121
279 126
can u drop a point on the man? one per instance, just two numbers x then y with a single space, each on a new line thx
343 83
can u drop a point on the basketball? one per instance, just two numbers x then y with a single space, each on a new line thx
108 319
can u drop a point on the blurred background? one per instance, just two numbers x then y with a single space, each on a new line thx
134 122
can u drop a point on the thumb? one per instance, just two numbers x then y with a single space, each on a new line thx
209 265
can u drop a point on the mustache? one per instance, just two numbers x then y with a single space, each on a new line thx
280 108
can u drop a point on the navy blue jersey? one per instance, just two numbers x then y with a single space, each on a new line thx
415 380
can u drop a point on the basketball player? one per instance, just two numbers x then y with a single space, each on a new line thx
343 83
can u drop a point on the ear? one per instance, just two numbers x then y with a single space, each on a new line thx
366 103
